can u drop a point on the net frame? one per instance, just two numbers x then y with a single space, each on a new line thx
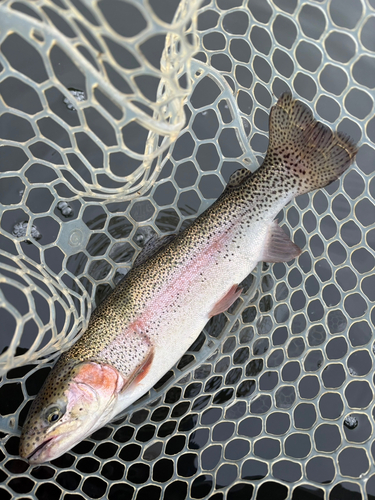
272 304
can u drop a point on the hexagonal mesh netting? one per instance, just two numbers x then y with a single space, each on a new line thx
275 399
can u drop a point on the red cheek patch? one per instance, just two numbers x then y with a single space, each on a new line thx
101 378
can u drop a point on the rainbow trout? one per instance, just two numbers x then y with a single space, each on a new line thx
157 311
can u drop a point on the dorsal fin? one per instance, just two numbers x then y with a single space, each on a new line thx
153 245
238 177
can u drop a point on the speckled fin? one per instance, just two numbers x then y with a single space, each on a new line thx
306 148
153 245
238 177
229 298
279 248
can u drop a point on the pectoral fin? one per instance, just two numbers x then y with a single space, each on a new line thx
224 303
279 247
141 371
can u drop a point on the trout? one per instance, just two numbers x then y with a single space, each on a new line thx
157 311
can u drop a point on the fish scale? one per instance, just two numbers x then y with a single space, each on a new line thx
155 313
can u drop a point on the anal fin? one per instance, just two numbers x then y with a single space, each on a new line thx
225 302
279 247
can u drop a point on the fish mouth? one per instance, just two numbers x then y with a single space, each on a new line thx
37 451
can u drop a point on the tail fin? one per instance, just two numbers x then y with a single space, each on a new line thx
305 148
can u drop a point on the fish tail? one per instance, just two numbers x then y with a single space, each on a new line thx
310 155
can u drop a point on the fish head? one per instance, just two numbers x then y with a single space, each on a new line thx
75 400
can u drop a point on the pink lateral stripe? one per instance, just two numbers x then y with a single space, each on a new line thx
180 283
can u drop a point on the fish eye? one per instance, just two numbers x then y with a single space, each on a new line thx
53 414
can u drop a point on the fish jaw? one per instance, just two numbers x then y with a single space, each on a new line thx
51 448
55 442
90 399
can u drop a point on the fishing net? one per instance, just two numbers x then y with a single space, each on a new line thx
124 119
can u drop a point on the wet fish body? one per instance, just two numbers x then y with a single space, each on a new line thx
152 317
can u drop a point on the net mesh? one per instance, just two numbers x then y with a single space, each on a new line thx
275 398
